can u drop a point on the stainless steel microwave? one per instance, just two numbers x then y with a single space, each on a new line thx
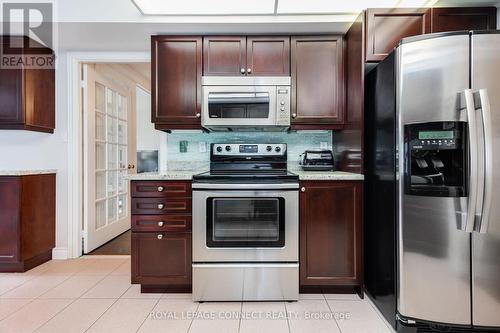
246 103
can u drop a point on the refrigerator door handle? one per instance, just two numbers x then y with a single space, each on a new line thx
488 162
473 158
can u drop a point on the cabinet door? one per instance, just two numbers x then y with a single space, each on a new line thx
11 102
40 105
268 56
386 27
161 258
224 55
10 194
330 233
465 18
317 80
176 78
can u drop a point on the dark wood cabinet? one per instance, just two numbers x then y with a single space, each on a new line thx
176 82
331 235
387 26
161 235
162 260
224 55
27 221
465 18
268 56
317 82
27 97
252 55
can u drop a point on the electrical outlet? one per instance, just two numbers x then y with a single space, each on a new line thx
202 147
323 145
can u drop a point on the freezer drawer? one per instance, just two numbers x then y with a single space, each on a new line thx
245 282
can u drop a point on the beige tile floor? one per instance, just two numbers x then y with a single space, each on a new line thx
94 294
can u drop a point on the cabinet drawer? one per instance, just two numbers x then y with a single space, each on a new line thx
161 258
160 206
160 189
159 223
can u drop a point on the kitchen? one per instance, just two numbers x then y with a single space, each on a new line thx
272 144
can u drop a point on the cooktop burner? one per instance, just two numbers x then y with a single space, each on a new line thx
247 163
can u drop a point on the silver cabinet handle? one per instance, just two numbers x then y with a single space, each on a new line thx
160 236
472 129
161 206
249 70
242 71
160 223
294 115
487 181
161 188
302 189
198 115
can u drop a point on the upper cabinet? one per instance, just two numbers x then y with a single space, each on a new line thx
252 55
317 82
176 81
224 55
27 96
386 27
466 18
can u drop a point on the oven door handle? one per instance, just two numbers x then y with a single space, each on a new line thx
277 186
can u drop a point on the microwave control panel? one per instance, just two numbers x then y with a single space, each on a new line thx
283 105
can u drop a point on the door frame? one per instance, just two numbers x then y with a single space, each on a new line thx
76 136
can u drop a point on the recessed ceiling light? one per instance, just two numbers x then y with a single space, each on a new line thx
205 7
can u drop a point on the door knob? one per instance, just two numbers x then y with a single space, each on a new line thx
161 206
294 115
249 70
131 166
160 223
242 71
198 115
160 236
160 188
302 189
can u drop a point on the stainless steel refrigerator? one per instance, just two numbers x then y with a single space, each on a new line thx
432 215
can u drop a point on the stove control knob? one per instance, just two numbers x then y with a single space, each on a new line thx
219 149
277 149
269 148
228 148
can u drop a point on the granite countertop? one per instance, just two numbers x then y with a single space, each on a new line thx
26 172
303 175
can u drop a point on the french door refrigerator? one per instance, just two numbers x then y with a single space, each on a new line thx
432 218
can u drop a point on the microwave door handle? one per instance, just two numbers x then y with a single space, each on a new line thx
473 156
486 194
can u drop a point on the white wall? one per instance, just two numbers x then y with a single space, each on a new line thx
147 137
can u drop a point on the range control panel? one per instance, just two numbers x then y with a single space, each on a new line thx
232 149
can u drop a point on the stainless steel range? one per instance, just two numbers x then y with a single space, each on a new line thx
246 225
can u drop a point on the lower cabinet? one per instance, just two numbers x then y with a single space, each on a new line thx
162 260
161 235
331 236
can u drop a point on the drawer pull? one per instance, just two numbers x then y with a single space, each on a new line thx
160 236
161 206
161 188
160 223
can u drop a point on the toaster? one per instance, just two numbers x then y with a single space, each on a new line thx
317 160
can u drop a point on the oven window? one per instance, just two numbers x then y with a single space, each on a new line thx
245 222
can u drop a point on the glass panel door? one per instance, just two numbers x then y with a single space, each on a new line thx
245 222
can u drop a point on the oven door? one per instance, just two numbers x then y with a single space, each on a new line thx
238 106
245 225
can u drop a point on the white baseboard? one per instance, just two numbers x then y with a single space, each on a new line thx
60 253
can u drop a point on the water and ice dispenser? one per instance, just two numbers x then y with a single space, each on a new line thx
436 159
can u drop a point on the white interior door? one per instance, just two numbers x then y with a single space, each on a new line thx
107 111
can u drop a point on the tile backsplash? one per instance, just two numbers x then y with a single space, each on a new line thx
194 158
